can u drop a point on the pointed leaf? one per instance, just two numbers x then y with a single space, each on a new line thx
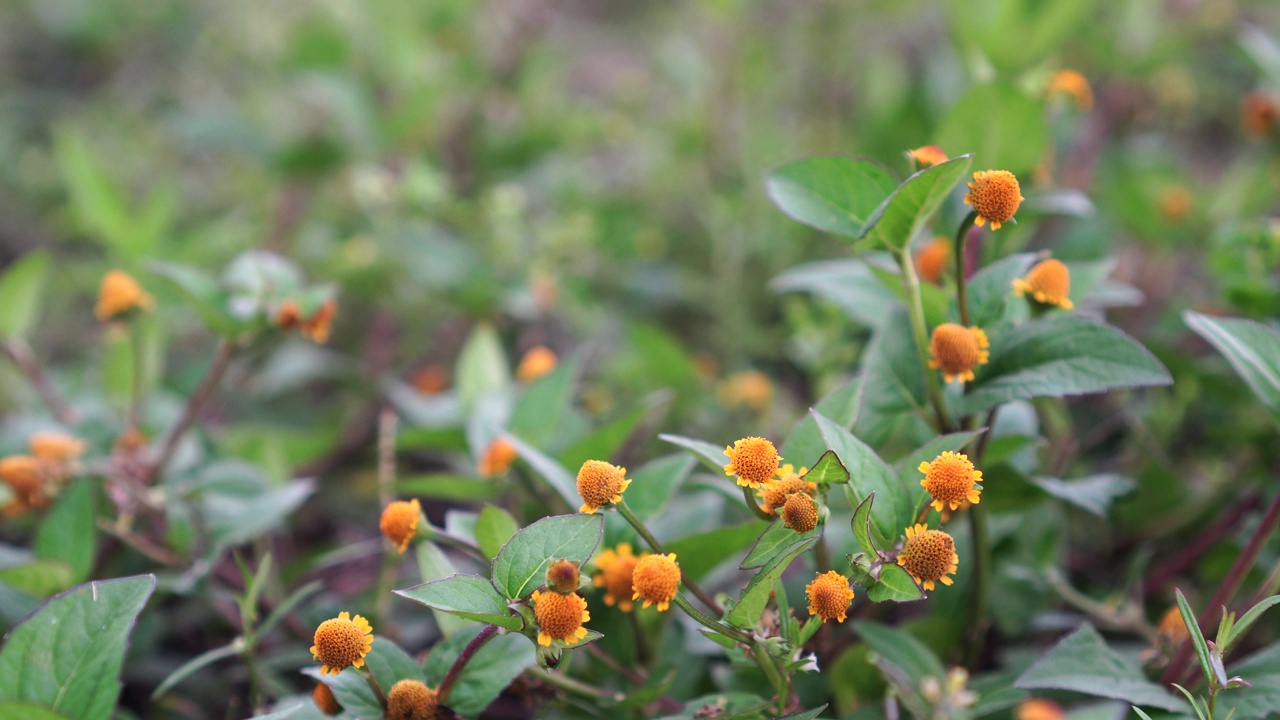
746 612
776 538
834 194
557 476
498 662
828 469
494 528
895 584
892 509
1242 625
1094 494
521 565
1253 349
654 483
902 649
20 289
902 215
68 532
841 405
467 596
861 522
1197 638
711 455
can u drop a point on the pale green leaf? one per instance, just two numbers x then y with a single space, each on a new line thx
895 585
1252 348
1002 128
746 611
835 194
68 532
904 213
467 596
20 289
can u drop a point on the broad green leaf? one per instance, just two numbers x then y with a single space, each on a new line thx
434 565
893 379
482 365
390 664
1248 619
776 538
14 710
902 649
1094 494
1061 355
746 612
40 578
201 292
604 441
848 284
67 655
861 522
351 691
1014 35
895 584
97 202
489 672
467 596
805 441
701 553
68 532
20 289
257 281
1001 127
835 194
655 482
444 486
1197 637
904 213
806 715
990 293
494 528
538 411
735 705
14 604
892 509
521 565
1081 662
828 469
557 476
239 504
1253 349
711 455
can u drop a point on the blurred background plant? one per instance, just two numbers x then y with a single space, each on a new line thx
546 228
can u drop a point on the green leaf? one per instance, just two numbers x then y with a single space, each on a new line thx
848 284
557 476
746 612
1058 356
482 365
539 410
97 202
500 661
1081 662
711 455
1197 637
902 649
903 214
11 710
701 553
1003 128
861 522
895 584
1253 349
828 469
467 596
892 509
40 578
1242 625
201 292
521 565
893 379
195 664
256 282
494 528
805 441
604 441
835 194
433 565
448 487
1093 494
240 505
806 715
776 538
280 714
68 654
735 705
20 289
990 292
68 532
351 691
655 482
390 664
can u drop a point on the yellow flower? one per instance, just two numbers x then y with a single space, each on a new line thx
1073 85
537 362
615 576
28 479
497 458
120 295
1037 709
341 643
995 196
400 522
563 576
55 447
656 580
829 596
560 617
600 483
773 493
927 155
1049 282
951 479
753 459
325 701
929 555
411 700
957 350
800 513
932 259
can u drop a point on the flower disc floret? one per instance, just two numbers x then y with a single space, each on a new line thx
800 513
754 460
560 617
1049 282
411 700
600 483
563 576
656 580
956 350
951 479
929 555
995 197
342 642
616 570
399 522
773 494
829 596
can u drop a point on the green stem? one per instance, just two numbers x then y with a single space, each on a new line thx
732 633
374 685
821 557
134 417
916 305
625 511
749 497
564 682
981 581
771 672
641 641
386 495
468 652
962 297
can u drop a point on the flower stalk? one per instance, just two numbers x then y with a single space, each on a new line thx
962 293
468 652
625 511
918 327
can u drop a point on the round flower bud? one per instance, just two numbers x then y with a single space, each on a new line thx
341 643
774 493
600 483
932 259
497 458
951 479
800 513
324 700
560 617
929 555
411 700
995 197
753 459
829 596
563 576
656 580
400 522
120 295
616 570
957 350
537 362
1049 282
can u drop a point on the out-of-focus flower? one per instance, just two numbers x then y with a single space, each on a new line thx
539 361
616 570
497 458
399 522
927 156
932 259
121 295
1048 282
656 580
1073 85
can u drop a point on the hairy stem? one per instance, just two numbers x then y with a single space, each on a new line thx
749 497
911 282
625 511
468 652
711 624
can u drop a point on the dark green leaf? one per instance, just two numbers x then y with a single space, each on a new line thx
701 553
20 289
902 649
389 664
68 532
892 509
835 194
848 284
828 469
730 705
240 505
467 596
805 441
893 379
1242 625
1197 637
201 292
746 612
1252 349
1093 494
539 410
351 691
448 487
521 565
494 528
1003 128
895 584
655 483
903 214
806 715
67 655
557 476
280 714
776 538
990 292
861 522
195 664
490 671
711 455
604 441
433 565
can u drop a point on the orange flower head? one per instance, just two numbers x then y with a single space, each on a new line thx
617 568
563 576
748 388
497 458
927 156
1259 114
537 362
951 479
600 483
430 380
341 643
560 617
1071 84
55 447
829 596
1172 628
318 326
1037 709
773 494
995 196
957 350
27 477
754 460
400 522
411 700
325 701
1049 282
799 512
121 295
929 555
288 316
932 259
656 580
